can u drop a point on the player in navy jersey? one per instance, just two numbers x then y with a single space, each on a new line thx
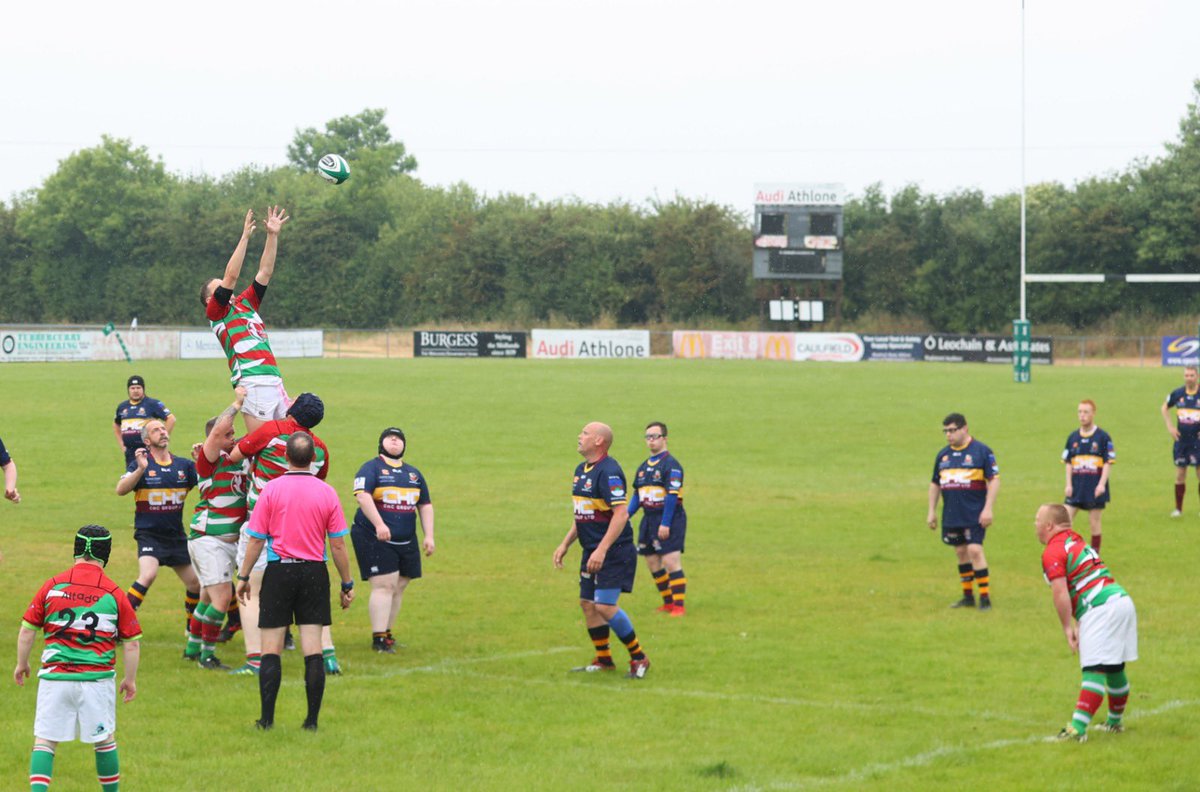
658 492
609 561
10 475
1186 432
161 482
966 477
391 494
132 415
1088 457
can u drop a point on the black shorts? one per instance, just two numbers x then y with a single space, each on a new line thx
171 551
963 535
384 558
298 592
620 566
1186 452
648 541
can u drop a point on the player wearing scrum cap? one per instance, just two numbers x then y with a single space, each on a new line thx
391 494
84 615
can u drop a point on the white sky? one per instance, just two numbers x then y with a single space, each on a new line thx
612 100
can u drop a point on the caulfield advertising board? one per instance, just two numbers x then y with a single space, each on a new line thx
945 348
586 344
467 343
1180 351
829 347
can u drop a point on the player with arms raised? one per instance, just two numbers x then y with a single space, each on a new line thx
238 327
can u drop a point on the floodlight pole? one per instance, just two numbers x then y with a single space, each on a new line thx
1021 333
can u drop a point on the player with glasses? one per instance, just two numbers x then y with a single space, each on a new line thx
966 477
658 492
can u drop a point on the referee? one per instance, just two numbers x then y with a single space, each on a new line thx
294 514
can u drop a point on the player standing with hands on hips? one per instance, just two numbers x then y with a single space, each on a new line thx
1186 432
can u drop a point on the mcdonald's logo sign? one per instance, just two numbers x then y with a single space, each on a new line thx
690 345
777 346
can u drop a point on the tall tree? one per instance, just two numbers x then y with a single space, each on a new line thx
363 137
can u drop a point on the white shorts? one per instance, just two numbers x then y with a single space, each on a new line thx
266 398
68 710
261 563
1108 634
213 559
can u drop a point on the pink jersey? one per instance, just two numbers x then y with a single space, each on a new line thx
295 513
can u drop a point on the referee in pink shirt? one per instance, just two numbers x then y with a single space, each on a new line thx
294 514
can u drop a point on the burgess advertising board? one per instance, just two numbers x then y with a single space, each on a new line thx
468 343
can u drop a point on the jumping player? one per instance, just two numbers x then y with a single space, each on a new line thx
238 327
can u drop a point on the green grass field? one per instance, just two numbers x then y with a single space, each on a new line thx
818 651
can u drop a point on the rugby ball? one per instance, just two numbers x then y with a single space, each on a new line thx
333 168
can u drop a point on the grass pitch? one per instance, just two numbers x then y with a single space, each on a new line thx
818 651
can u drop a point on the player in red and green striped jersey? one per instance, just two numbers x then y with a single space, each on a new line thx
84 615
1097 616
239 328
216 523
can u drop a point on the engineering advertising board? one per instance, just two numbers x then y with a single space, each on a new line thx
468 344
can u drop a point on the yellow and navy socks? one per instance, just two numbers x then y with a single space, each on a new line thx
966 576
137 594
599 636
981 579
678 588
662 580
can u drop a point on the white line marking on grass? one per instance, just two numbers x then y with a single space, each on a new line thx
672 692
872 771
450 664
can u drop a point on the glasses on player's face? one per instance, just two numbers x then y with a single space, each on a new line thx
653 437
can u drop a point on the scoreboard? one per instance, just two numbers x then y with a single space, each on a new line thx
798 231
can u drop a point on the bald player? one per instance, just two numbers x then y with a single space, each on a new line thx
609 560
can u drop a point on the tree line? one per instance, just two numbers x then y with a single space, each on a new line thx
111 235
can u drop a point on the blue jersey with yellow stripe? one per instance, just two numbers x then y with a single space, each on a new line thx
397 489
160 495
1087 455
597 489
963 475
1187 412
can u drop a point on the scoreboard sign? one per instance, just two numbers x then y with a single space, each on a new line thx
798 231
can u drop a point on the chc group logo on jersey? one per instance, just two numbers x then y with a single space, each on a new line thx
1180 351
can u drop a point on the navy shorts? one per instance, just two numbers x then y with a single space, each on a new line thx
648 541
171 551
1186 452
620 566
1087 505
963 535
383 558
297 592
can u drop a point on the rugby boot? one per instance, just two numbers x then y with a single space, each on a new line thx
638 668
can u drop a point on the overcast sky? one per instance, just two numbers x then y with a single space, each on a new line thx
617 100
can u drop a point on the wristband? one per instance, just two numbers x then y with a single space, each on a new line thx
244 578
348 586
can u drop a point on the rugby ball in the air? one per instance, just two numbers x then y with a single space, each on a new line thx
333 168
